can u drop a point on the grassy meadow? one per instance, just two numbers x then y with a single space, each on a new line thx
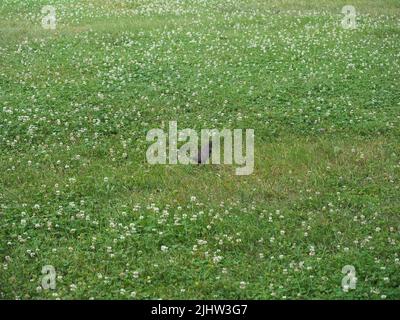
77 193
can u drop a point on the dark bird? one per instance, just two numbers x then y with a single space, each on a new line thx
204 153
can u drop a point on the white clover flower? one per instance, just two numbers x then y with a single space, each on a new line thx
217 259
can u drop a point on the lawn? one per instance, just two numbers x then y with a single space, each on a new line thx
77 193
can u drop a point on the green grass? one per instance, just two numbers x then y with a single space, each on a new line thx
76 191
